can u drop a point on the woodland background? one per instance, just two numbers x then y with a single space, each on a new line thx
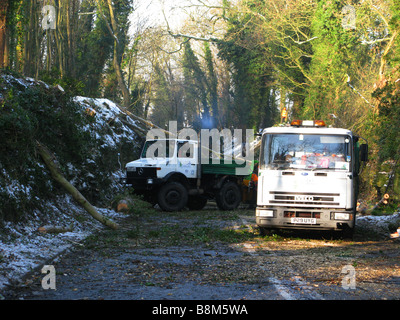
229 64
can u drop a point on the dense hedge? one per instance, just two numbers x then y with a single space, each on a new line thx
32 110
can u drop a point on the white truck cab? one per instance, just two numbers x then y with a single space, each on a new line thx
162 157
308 177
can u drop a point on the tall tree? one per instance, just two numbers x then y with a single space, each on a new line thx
334 49
196 87
166 97
252 74
212 83
3 26
119 43
93 48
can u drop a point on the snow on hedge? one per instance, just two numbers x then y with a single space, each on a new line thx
22 247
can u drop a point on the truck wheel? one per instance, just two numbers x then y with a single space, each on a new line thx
196 202
172 196
229 196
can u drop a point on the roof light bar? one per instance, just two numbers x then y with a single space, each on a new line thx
308 123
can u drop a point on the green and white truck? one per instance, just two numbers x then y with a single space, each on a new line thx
173 174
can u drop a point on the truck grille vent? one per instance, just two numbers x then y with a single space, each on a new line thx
142 172
300 198
301 214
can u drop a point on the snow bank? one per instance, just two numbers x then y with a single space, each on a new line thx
382 225
23 248
106 112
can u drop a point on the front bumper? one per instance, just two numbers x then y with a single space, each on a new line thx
141 184
301 218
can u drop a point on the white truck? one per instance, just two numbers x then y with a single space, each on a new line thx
309 177
173 176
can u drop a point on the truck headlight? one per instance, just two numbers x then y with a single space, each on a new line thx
265 213
131 169
342 216
149 181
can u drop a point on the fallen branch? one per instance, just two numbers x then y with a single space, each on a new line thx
365 210
140 132
57 175
384 200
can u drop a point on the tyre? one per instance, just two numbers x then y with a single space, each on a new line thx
172 196
265 231
345 234
229 196
196 202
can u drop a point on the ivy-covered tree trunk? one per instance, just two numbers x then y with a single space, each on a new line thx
3 23
117 59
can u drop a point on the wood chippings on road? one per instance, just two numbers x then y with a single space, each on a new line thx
217 255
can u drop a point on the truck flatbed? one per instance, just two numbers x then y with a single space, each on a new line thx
223 168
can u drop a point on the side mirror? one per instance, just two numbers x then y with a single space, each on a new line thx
259 133
364 152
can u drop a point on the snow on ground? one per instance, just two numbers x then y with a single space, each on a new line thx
382 225
23 248
105 112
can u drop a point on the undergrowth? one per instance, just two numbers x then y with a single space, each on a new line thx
33 111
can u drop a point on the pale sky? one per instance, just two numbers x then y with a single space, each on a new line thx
151 10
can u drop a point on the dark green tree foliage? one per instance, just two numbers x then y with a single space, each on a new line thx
77 52
383 122
395 26
15 27
387 115
333 56
93 50
388 118
118 23
137 85
197 88
166 106
32 111
28 114
212 84
253 91
138 90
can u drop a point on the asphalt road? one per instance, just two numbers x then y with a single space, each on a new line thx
214 255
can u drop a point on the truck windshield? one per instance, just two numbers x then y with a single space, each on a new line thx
306 152
158 149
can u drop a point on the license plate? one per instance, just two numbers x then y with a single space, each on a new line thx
304 220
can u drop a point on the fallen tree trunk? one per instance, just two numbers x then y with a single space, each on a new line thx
57 175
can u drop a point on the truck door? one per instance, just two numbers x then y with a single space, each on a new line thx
187 158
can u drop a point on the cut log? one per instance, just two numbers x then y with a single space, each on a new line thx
123 206
55 171
53 229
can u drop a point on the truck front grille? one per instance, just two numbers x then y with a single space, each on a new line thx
301 214
142 172
300 198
